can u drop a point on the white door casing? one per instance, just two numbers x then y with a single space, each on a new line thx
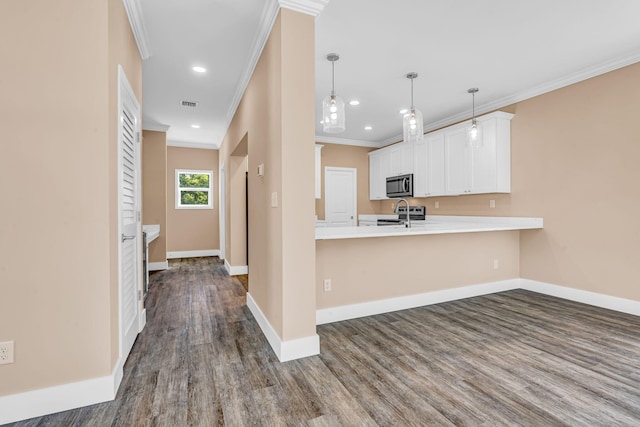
130 247
223 211
340 196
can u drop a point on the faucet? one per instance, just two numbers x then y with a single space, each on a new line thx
408 223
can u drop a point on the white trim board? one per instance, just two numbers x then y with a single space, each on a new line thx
371 308
586 297
284 350
49 400
138 27
193 254
234 270
156 266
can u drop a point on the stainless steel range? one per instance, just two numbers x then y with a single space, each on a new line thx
416 213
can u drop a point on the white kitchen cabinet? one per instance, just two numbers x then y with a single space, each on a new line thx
485 169
378 172
400 158
428 176
319 171
397 159
443 163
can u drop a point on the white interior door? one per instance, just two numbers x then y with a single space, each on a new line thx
130 245
340 196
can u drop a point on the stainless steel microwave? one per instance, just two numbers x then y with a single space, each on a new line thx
400 186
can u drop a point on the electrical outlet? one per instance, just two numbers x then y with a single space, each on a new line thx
495 264
6 352
274 200
492 204
327 285
437 204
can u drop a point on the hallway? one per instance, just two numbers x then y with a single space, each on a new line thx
509 358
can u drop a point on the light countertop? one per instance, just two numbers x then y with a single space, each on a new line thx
434 224
152 230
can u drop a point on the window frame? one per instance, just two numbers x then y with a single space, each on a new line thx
178 189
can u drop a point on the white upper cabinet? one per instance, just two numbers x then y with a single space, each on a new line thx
389 161
378 171
428 176
444 164
400 159
457 162
485 169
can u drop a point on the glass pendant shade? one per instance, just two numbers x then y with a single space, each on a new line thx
474 134
333 117
412 126
474 131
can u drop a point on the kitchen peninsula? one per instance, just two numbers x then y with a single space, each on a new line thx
380 269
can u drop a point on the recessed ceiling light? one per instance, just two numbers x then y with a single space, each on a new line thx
199 69
321 122
195 126
404 111
354 102
368 128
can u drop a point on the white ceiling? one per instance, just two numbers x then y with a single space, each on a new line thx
511 50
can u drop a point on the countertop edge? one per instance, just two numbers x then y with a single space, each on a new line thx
442 225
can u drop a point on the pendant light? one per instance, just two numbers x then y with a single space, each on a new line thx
333 116
412 125
474 131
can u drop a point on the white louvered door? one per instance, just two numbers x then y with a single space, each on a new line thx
129 134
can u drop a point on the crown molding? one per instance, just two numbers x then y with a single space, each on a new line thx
138 27
150 124
344 141
268 18
309 7
567 80
183 144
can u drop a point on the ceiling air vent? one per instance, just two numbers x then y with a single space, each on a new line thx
192 104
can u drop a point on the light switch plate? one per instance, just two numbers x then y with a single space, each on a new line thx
274 200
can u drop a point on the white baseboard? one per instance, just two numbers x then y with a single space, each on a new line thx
353 311
234 270
193 254
44 401
284 350
586 297
156 266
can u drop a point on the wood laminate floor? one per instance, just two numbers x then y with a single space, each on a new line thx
512 358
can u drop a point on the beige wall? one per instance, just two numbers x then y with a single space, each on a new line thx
281 239
347 156
57 261
376 268
575 160
237 176
154 190
191 229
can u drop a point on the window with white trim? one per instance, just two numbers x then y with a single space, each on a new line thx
194 189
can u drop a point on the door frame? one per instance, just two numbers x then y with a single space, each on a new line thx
126 95
222 215
354 175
